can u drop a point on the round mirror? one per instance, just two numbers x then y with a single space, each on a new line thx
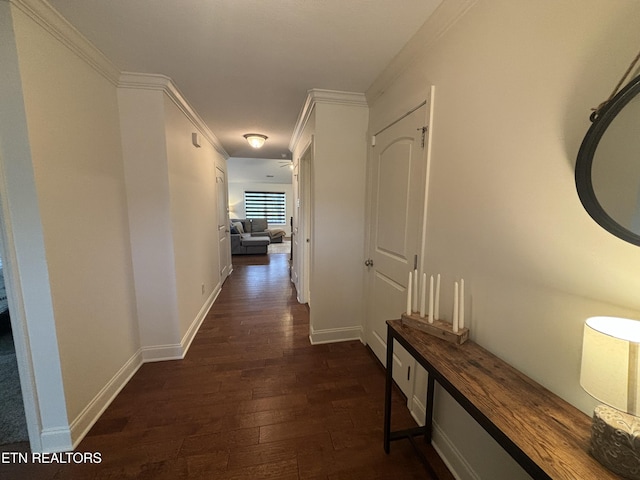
608 165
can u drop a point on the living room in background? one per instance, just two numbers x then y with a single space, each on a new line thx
269 205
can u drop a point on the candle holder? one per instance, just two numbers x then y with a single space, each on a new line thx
438 328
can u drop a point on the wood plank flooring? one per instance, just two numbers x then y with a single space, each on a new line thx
251 400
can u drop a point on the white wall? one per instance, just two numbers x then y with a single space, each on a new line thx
339 182
337 123
194 216
25 265
104 196
142 122
173 212
74 137
515 81
236 198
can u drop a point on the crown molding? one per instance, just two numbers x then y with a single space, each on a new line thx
318 95
335 97
149 81
55 24
445 16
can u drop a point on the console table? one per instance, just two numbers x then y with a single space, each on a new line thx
547 436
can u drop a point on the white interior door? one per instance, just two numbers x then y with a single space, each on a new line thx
307 207
224 235
303 226
397 198
295 231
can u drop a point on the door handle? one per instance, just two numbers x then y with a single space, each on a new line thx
368 262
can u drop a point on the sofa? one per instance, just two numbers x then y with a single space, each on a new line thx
258 227
245 244
252 236
244 241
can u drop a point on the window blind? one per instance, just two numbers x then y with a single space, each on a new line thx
269 205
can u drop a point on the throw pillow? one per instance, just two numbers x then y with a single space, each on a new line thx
239 227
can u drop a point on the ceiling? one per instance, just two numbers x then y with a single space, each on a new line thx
246 65
259 170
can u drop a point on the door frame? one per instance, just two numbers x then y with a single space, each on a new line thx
223 223
427 175
429 101
305 223
21 337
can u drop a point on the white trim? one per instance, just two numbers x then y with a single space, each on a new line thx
305 196
337 97
427 176
185 344
445 16
450 455
55 24
334 335
68 436
160 353
55 440
81 425
148 81
27 281
303 118
318 95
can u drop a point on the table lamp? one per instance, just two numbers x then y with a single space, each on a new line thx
610 373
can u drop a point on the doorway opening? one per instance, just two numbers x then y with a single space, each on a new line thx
13 423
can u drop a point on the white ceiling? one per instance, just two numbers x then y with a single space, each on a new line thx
259 170
246 65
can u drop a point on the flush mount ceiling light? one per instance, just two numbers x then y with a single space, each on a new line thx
256 140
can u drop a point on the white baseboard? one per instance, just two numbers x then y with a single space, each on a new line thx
62 439
195 325
177 351
333 335
161 353
81 425
450 455
56 440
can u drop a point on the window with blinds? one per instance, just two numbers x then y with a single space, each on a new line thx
269 205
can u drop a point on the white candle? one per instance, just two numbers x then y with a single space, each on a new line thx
436 308
455 307
431 299
461 311
409 295
415 292
423 295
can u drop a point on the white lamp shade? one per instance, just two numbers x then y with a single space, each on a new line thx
255 139
610 370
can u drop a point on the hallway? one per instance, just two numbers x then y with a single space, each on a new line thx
251 400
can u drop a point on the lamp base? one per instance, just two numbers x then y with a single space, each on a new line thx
615 441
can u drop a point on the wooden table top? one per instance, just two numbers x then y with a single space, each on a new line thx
515 410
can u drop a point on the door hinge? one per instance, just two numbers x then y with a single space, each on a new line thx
424 131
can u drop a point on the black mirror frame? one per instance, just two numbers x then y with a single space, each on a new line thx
601 121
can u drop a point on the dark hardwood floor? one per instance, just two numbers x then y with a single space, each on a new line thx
251 400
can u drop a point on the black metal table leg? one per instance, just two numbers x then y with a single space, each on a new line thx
428 421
